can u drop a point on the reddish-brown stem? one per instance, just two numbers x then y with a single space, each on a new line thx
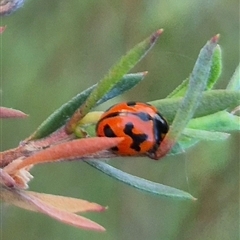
8 156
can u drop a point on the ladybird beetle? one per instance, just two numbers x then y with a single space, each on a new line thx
141 125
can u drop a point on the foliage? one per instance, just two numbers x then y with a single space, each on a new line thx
194 110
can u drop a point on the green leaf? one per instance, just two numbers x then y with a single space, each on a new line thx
197 84
195 136
205 135
215 72
216 68
222 121
59 117
234 83
191 137
125 64
140 183
212 101
215 125
127 82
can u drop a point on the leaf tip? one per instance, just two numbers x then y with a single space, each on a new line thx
159 31
11 113
155 35
2 28
101 229
101 208
145 73
215 39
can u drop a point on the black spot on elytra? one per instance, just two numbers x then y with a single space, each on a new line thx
132 103
137 139
108 131
144 116
115 149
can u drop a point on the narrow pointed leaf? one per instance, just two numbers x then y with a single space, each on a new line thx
62 203
125 64
212 101
220 121
197 84
60 215
140 183
11 113
58 118
205 135
216 68
67 203
21 199
69 150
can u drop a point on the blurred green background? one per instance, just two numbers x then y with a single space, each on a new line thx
51 50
